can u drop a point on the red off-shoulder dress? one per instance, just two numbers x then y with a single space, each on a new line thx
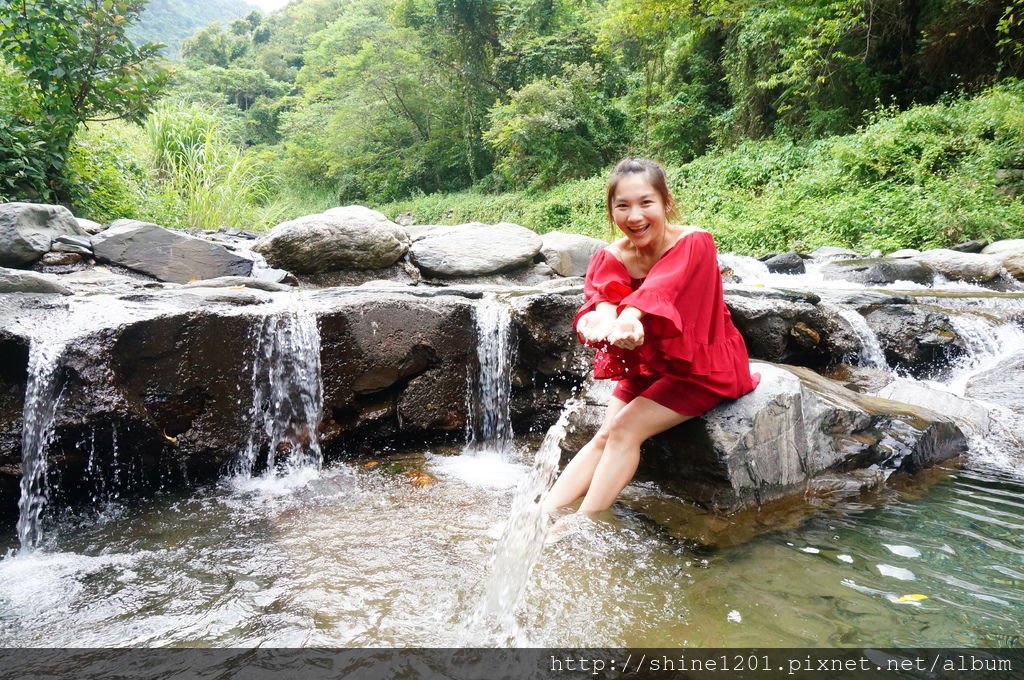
693 358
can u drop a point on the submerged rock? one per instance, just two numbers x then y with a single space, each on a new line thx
773 443
27 231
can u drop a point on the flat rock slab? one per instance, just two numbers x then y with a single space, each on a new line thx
878 271
345 238
166 255
960 266
474 249
17 281
27 231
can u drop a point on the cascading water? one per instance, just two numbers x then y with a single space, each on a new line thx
41 397
871 353
287 394
490 426
521 541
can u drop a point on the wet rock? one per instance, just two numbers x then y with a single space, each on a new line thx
877 271
916 338
347 238
975 246
164 254
961 266
474 249
236 282
786 263
569 254
27 231
1002 384
904 253
17 281
787 329
773 443
972 417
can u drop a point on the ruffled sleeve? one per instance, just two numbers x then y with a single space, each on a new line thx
607 281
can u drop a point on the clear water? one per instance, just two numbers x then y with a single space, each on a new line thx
381 556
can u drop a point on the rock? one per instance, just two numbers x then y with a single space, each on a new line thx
877 271
474 249
960 266
90 227
72 244
774 442
875 253
1006 246
17 281
166 255
346 238
60 259
971 416
833 253
1014 265
904 253
1002 384
27 231
920 340
786 263
569 254
405 219
237 281
975 246
791 330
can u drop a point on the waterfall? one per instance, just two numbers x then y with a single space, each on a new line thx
490 422
41 396
871 353
521 541
287 394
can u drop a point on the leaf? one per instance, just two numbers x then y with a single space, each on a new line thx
912 597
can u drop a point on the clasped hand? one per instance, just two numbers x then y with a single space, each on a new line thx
625 330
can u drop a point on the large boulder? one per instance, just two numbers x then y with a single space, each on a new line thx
1014 265
569 254
345 238
877 271
962 266
1004 247
27 231
778 440
474 249
835 253
17 281
916 338
785 263
166 255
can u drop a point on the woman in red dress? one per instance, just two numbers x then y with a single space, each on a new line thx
655 312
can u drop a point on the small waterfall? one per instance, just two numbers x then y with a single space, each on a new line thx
521 542
287 394
871 353
489 398
41 396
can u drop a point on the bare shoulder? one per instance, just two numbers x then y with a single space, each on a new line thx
685 230
617 247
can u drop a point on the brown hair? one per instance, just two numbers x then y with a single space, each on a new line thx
654 173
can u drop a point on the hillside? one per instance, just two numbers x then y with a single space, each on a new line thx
171 21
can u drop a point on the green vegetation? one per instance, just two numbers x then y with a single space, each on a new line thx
170 22
889 123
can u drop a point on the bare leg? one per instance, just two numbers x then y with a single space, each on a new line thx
631 427
575 478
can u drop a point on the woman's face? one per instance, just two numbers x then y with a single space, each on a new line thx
639 211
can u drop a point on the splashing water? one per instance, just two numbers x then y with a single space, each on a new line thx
871 353
287 395
41 397
521 542
490 425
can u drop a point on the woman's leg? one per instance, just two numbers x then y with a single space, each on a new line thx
638 421
575 478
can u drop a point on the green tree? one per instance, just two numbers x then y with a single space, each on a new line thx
77 65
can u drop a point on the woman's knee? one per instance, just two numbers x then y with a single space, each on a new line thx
623 433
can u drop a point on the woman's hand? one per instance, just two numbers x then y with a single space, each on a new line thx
627 331
596 325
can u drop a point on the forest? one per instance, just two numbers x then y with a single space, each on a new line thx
864 123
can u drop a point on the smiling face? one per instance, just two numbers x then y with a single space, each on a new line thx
639 210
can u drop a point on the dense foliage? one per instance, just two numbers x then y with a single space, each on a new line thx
71 62
170 22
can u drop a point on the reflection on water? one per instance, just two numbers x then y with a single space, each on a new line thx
351 556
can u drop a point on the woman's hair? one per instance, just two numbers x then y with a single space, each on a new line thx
654 174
